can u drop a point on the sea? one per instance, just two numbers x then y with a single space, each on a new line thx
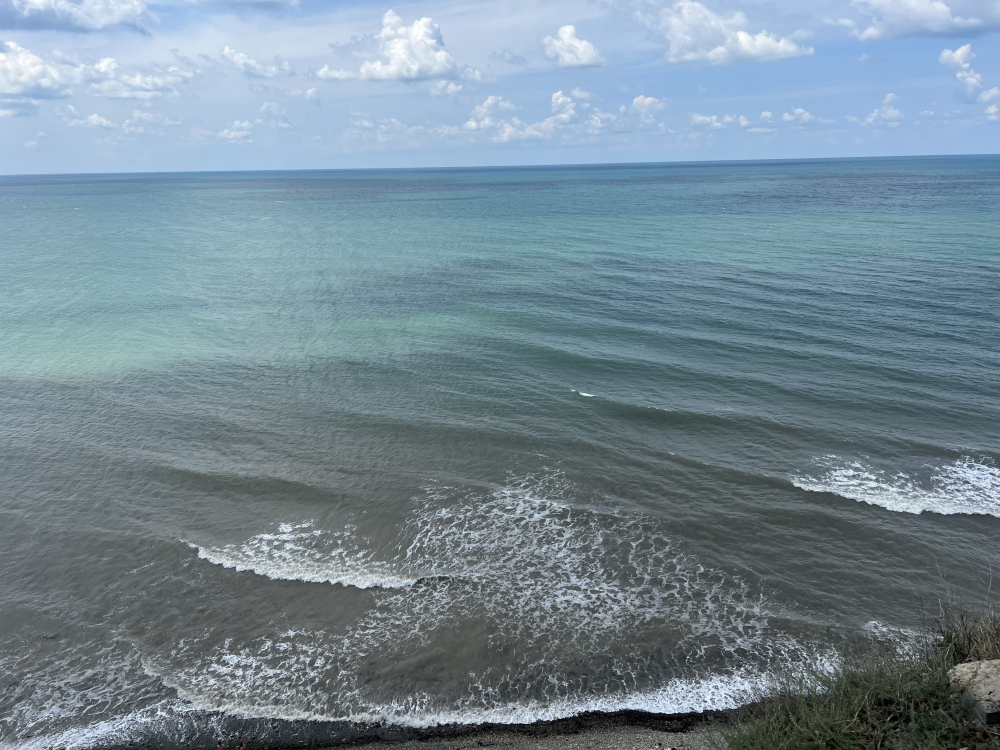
290 454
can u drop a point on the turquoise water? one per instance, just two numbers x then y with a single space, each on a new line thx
491 444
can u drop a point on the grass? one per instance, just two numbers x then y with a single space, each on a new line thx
879 700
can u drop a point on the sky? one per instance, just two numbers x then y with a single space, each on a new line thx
180 85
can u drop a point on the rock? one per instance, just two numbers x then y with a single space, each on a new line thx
980 680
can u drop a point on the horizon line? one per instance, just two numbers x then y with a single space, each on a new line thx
501 167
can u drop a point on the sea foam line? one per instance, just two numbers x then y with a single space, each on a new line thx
299 552
967 485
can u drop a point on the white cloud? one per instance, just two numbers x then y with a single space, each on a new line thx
136 123
238 132
695 33
640 115
83 15
893 18
961 60
993 112
573 118
253 69
799 116
565 113
405 53
886 115
326 73
647 104
766 116
486 117
711 121
92 121
25 74
505 55
445 88
569 51
716 122
143 86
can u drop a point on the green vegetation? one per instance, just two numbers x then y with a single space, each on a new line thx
882 700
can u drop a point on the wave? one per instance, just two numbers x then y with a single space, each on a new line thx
543 609
301 552
968 485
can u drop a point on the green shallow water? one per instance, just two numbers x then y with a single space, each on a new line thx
496 444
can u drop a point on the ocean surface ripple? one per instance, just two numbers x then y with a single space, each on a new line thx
297 453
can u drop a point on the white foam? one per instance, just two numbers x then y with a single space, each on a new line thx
55 688
581 393
712 693
967 486
300 552
905 642
557 609
162 719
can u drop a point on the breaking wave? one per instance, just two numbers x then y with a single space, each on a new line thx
968 485
537 609
301 552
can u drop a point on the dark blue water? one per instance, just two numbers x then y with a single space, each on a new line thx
503 444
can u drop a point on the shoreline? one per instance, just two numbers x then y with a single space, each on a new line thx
623 730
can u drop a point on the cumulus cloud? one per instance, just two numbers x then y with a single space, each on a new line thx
799 116
573 117
505 55
647 104
140 121
445 88
142 86
80 15
152 82
894 18
25 74
717 122
253 69
91 121
993 112
487 117
961 60
886 115
639 116
571 112
569 51
694 33
238 132
406 53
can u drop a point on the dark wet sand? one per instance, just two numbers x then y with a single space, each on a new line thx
626 730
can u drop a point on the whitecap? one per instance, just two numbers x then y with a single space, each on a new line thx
301 552
967 485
